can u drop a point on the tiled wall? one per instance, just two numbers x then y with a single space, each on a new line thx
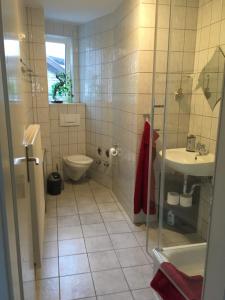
210 35
134 44
177 29
58 141
204 121
36 33
96 57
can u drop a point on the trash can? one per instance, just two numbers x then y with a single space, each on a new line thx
54 184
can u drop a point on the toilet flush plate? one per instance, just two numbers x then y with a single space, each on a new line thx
69 120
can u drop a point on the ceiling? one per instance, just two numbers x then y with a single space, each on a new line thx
76 11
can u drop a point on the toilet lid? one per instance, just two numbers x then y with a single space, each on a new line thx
80 159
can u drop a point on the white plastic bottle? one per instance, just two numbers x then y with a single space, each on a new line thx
170 218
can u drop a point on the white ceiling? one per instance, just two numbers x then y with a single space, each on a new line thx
76 11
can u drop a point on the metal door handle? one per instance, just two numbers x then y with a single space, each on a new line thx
34 159
19 160
27 159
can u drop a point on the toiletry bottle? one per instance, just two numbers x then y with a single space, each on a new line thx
170 218
191 141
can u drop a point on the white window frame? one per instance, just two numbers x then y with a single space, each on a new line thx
68 55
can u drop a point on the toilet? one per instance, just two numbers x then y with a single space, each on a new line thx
75 166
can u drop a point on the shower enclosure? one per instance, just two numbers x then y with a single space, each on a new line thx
188 86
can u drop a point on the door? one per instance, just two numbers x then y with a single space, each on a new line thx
13 44
190 196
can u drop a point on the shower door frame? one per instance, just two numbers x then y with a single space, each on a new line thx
214 285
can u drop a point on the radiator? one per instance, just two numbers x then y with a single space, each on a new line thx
36 185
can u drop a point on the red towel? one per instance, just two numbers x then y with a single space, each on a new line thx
191 286
141 185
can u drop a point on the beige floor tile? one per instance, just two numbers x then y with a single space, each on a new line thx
46 289
99 243
87 208
85 198
87 219
131 257
50 204
119 296
66 202
75 264
104 197
70 247
68 221
108 282
69 233
50 249
51 212
123 240
91 298
113 216
106 207
143 294
103 260
50 222
49 268
139 277
148 254
136 227
117 227
66 211
94 230
76 286
51 198
50 234
66 196
141 237
68 186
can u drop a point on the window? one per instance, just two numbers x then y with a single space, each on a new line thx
59 68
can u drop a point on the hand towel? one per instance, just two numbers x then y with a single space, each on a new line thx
142 174
168 276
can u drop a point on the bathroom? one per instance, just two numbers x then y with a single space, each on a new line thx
141 79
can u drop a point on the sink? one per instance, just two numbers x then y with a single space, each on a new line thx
189 163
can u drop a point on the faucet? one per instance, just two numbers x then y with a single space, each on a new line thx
202 149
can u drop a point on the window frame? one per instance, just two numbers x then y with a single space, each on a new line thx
68 56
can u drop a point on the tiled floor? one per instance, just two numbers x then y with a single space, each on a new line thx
91 250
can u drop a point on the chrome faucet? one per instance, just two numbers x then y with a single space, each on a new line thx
202 149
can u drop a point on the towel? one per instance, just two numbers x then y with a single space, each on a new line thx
142 180
191 286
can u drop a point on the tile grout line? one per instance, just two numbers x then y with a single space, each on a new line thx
58 248
87 253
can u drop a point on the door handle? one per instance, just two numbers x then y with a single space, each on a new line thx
34 159
27 159
19 160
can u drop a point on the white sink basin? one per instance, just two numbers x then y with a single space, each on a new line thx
189 163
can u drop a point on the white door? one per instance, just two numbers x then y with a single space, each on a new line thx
13 83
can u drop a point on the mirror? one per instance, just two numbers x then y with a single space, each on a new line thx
211 78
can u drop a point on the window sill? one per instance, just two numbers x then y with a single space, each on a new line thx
67 103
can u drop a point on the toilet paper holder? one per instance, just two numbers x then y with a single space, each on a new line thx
114 151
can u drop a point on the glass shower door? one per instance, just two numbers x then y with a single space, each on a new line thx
190 86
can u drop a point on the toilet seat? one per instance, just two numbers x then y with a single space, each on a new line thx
76 166
78 160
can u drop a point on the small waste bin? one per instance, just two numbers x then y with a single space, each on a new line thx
54 183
